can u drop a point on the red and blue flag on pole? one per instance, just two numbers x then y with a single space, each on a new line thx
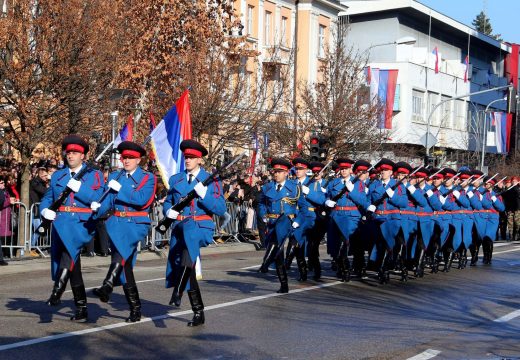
126 133
436 53
168 135
382 89
466 63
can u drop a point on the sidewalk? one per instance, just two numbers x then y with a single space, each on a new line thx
28 264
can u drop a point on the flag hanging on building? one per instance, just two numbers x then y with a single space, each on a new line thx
368 74
502 124
168 135
382 90
126 133
436 53
466 63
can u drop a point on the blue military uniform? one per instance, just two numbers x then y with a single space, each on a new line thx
192 229
278 205
344 216
73 226
491 205
127 226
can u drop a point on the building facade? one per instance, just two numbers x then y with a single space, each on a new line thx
446 60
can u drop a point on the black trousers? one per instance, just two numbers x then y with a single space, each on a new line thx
66 262
127 266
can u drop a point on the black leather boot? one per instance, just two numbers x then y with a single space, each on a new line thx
290 254
485 249
419 270
197 306
179 287
474 249
490 252
282 276
80 300
448 259
59 287
302 265
316 268
270 255
132 297
103 292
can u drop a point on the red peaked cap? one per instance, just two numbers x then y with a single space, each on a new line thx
422 172
344 163
131 149
316 166
449 173
361 165
402 167
74 143
280 164
301 163
437 176
385 164
192 148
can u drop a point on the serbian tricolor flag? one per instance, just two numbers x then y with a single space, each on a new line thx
168 135
466 69
436 53
382 91
502 123
126 133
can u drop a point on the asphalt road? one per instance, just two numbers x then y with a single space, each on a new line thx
464 314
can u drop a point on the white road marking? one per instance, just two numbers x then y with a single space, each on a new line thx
137 282
425 355
507 317
250 267
506 251
159 317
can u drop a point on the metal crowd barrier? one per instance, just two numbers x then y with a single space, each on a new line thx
241 226
11 231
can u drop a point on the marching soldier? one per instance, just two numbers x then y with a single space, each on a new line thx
345 214
493 205
475 196
278 206
387 215
466 204
418 191
73 226
316 234
131 193
193 226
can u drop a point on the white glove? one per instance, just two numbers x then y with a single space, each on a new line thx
172 214
494 198
114 185
295 225
456 193
470 194
74 185
442 199
480 196
323 190
390 192
48 214
201 190
350 186
429 193
411 189
371 208
305 190
95 206
330 203
264 219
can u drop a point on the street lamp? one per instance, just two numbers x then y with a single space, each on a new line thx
405 40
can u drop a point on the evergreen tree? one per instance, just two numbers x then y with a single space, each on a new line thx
483 24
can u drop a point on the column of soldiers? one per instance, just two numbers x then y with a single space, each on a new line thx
389 217
386 217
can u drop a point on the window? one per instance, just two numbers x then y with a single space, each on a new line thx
283 34
249 20
267 31
321 41
446 112
434 116
459 123
417 106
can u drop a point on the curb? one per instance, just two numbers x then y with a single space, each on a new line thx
29 264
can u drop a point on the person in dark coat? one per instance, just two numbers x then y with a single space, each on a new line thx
5 217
